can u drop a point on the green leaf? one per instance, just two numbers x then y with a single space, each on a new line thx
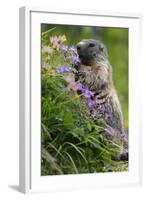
68 119
89 126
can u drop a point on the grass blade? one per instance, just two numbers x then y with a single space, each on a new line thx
77 149
73 163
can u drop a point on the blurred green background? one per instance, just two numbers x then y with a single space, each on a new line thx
116 41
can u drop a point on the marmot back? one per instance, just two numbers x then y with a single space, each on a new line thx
95 72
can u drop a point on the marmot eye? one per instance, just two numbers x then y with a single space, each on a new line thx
91 45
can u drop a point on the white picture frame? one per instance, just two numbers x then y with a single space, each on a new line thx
29 160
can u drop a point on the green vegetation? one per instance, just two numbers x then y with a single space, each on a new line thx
72 141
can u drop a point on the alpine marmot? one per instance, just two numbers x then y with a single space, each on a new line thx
96 74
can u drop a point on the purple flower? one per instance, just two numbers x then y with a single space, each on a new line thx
125 139
109 130
90 104
97 101
63 48
80 87
103 108
78 61
72 48
74 59
124 132
63 69
88 94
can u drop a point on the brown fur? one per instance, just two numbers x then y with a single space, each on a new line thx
97 76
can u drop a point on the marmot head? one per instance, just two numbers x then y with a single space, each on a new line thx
91 51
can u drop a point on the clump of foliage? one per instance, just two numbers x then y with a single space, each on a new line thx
73 141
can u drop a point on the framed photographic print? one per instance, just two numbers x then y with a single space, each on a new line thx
80 104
